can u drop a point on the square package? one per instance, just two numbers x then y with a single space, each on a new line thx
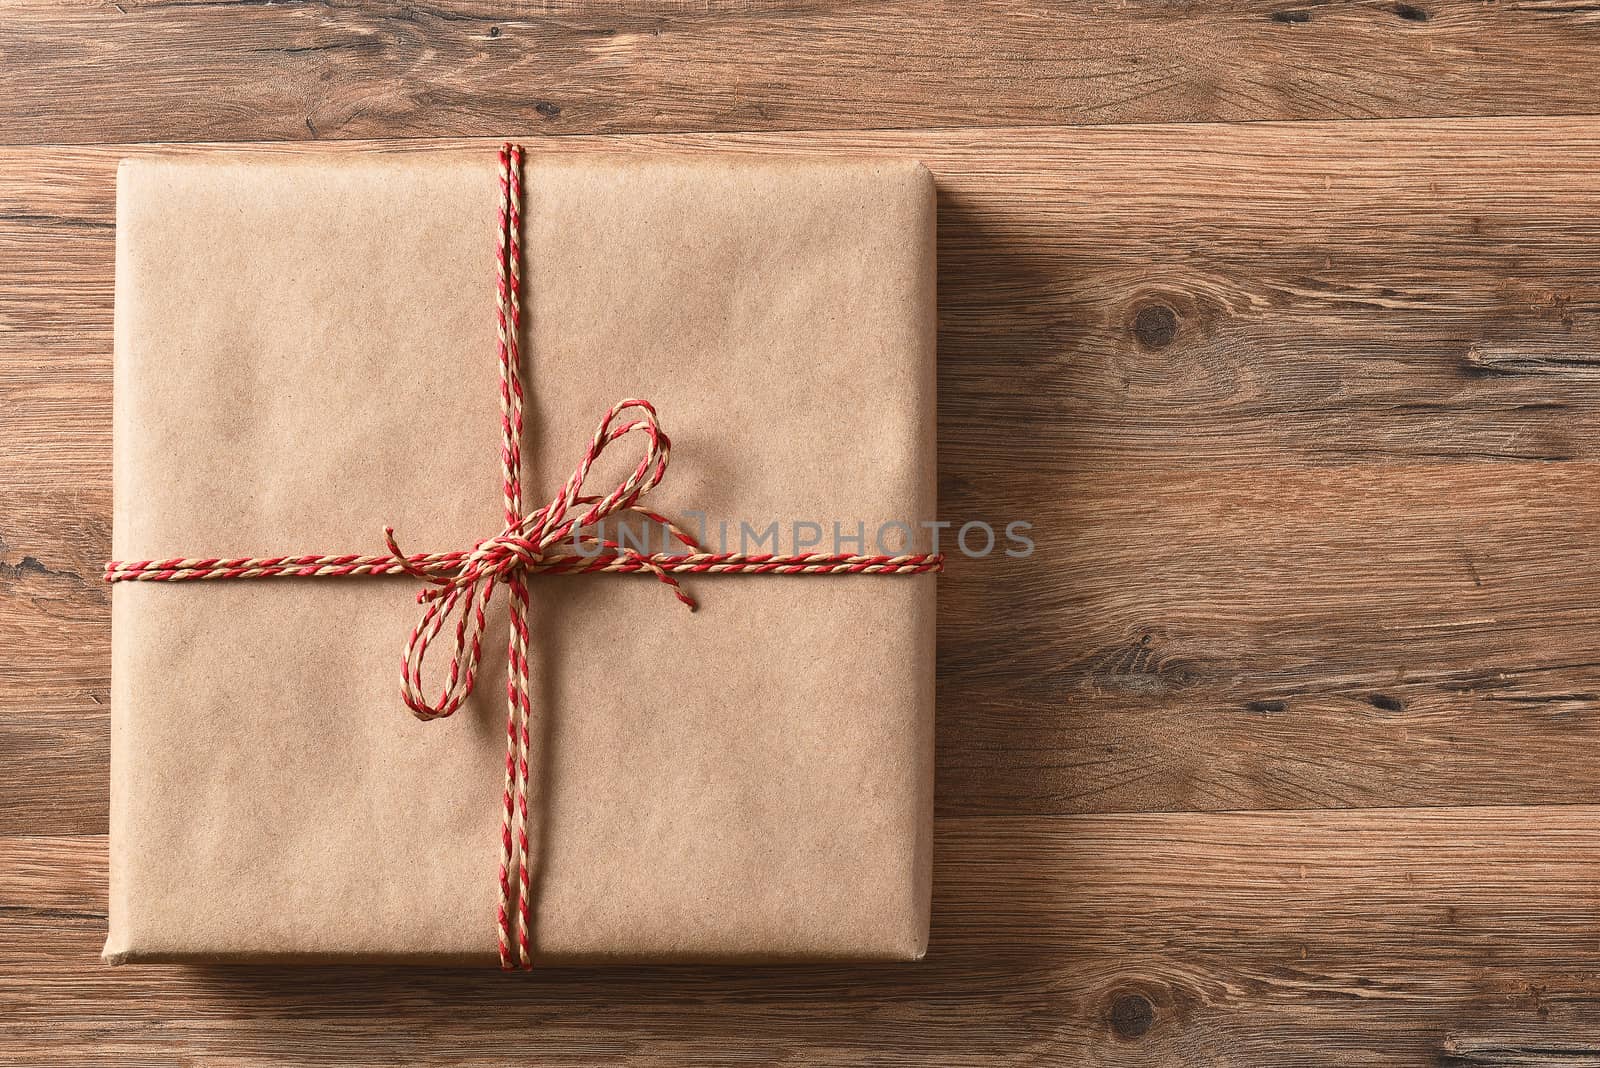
306 353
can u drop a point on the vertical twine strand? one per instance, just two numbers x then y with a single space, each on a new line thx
514 807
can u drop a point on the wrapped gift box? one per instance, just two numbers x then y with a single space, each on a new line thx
305 352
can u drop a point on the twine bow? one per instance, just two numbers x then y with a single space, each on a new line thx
461 584
525 545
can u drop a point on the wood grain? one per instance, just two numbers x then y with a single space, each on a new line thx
141 70
1304 416
1394 938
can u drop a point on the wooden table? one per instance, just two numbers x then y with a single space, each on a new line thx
1280 750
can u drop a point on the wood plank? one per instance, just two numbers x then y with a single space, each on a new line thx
1319 639
1146 296
139 70
1288 638
1310 544
1379 938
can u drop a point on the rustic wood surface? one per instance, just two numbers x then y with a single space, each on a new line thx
1361 937
1277 752
181 70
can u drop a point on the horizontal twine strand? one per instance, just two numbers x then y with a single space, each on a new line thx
446 563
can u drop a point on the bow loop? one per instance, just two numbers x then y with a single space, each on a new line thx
555 524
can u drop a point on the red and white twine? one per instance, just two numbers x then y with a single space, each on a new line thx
461 583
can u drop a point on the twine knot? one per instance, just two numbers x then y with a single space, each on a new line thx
504 551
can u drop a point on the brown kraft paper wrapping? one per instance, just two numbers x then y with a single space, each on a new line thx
305 351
